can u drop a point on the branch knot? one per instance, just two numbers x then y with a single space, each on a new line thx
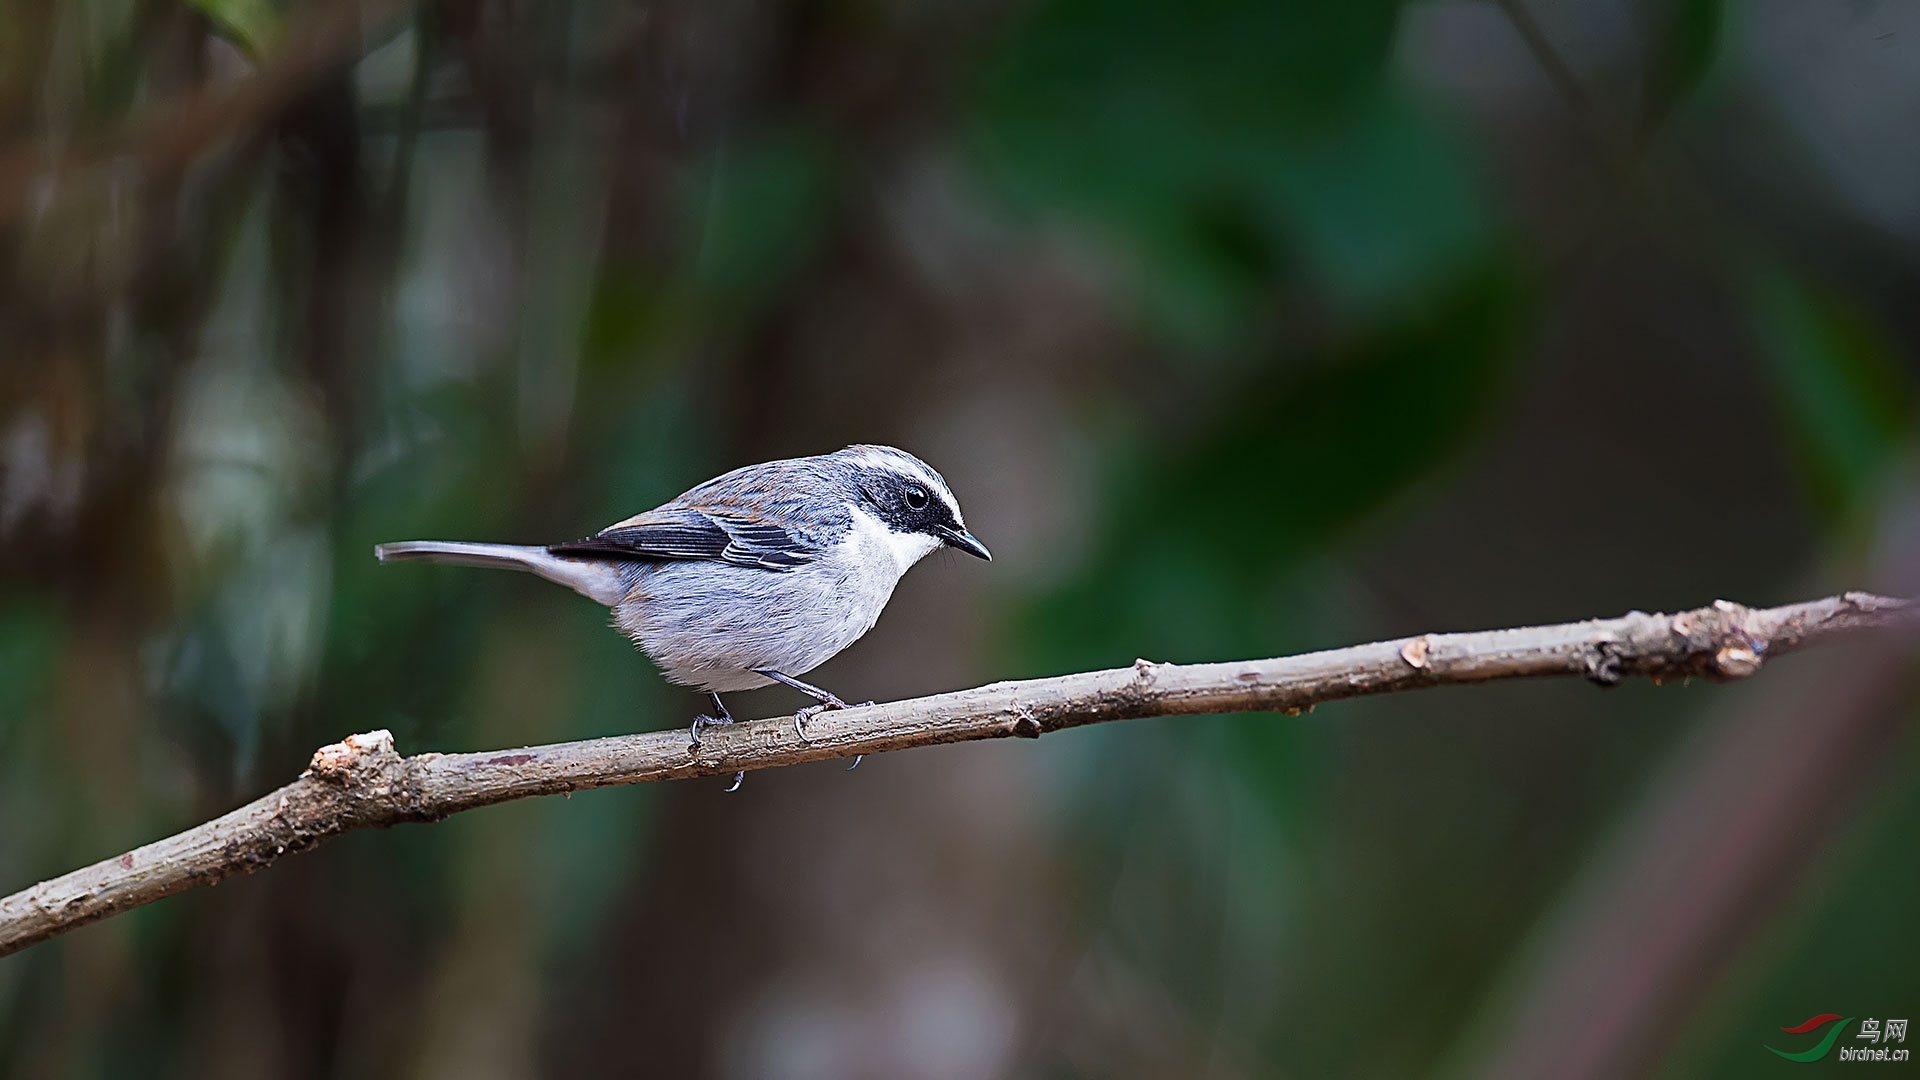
374 785
1415 652
337 763
1602 661
1725 640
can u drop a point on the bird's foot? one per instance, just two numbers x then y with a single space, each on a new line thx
828 704
705 721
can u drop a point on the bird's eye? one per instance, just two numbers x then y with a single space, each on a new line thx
916 497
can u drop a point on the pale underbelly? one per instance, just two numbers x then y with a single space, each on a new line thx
711 626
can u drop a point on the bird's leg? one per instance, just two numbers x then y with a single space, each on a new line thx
705 721
827 699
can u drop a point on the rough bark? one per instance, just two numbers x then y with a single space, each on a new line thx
363 782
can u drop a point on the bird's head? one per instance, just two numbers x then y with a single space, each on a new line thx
911 500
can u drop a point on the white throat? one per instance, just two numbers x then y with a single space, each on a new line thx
906 548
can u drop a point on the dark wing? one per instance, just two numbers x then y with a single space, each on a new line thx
686 534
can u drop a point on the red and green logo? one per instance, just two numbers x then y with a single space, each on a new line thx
1824 1046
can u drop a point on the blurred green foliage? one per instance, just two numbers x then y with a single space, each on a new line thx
760 210
1687 45
1846 397
1197 528
253 24
1228 148
1241 327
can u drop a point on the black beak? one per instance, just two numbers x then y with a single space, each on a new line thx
962 539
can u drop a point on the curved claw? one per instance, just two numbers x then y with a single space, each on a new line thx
811 711
701 723
737 778
856 762
704 721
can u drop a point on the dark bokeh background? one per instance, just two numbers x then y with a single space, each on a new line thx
1240 327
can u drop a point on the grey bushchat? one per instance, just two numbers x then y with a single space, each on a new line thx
755 577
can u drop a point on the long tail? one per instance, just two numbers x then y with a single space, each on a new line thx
591 578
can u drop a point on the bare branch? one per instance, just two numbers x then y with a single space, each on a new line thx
363 783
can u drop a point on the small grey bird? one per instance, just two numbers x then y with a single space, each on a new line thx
755 577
